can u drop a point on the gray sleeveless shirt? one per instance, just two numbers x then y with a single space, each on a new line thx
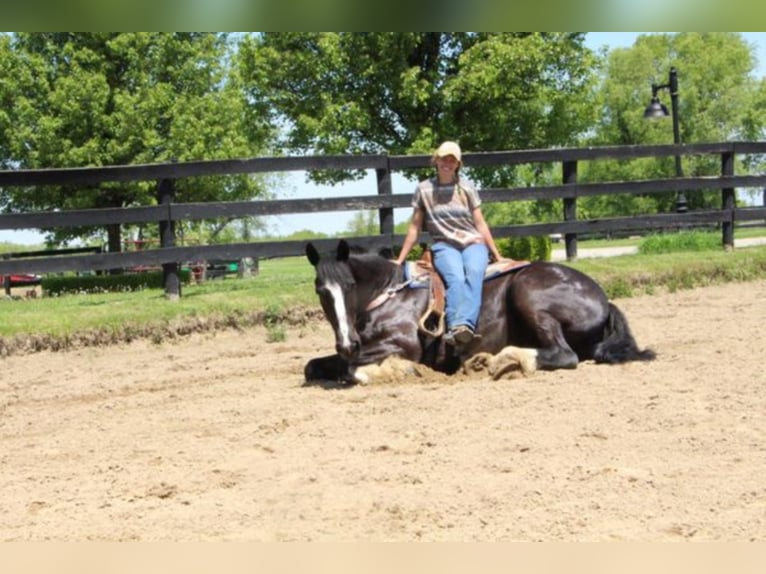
448 211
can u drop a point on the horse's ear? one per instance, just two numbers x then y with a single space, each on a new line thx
312 254
343 250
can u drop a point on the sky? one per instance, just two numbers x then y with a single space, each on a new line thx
331 223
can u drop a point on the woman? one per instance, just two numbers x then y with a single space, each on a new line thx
448 207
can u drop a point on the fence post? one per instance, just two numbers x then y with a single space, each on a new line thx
170 277
570 209
385 214
7 279
728 201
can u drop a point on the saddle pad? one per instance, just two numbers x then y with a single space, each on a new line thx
502 267
417 275
421 280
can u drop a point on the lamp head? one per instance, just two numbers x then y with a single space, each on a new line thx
655 109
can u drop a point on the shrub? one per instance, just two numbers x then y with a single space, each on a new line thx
530 248
273 319
617 288
71 284
681 241
415 253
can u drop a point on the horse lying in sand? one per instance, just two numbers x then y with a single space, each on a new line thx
540 316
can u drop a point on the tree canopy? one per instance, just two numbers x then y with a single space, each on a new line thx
94 99
719 99
401 93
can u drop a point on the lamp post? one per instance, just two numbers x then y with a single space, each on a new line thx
654 110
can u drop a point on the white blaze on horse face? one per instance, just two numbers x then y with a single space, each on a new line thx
339 305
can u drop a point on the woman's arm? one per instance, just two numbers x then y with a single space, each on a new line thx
413 232
486 234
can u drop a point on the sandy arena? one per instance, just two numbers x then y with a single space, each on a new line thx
216 438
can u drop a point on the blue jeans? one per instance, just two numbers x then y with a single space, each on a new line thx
463 275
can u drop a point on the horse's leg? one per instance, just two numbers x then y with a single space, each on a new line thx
391 350
513 358
329 368
333 368
391 369
382 362
552 353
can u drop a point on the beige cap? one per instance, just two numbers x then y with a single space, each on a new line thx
449 148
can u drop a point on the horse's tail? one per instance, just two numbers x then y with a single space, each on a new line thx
618 345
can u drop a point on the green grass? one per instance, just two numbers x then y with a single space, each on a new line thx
283 290
281 284
715 236
630 275
684 241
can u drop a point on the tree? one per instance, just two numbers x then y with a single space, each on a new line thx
94 99
719 100
401 93
363 223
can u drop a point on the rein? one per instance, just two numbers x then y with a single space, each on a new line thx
432 322
389 293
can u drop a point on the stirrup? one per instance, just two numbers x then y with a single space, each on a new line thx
431 323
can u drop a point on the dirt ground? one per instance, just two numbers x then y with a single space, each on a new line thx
217 438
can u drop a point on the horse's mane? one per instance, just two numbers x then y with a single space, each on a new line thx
377 270
374 270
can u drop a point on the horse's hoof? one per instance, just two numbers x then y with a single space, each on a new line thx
478 363
502 365
513 361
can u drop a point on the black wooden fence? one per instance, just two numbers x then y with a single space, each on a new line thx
167 211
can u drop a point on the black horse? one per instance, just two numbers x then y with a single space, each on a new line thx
541 316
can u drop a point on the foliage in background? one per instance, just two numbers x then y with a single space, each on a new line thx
538 211
283 294
529 248
335 94
275 329
718 100
92 99
668 272
680 242
363 223
98 99
54 285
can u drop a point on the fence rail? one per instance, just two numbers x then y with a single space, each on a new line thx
169 255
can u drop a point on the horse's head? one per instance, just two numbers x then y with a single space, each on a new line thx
336 287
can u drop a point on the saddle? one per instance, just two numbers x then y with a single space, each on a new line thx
432 322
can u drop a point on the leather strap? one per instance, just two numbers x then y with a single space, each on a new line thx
432 322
